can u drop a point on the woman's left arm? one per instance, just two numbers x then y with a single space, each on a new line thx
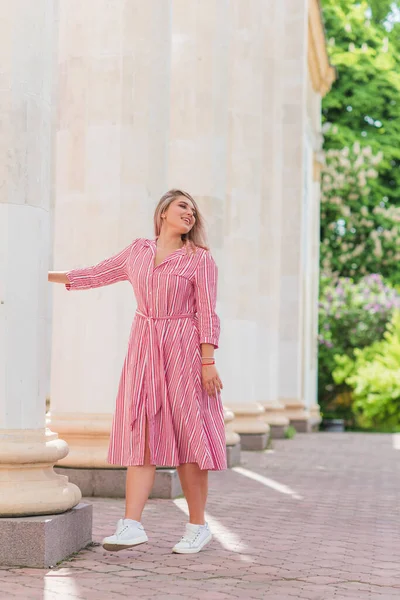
209 323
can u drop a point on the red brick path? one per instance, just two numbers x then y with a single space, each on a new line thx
321 523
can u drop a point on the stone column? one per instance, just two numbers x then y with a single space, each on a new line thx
241 220
311 388
28 451
111 141
296 197
312 393
199 135
269 260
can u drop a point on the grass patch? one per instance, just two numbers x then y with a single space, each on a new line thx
290 432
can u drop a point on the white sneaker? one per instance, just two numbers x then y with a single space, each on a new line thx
129 533
195 538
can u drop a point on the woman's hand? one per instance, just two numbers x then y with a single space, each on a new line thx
211 381
57 277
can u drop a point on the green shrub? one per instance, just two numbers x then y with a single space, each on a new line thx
373 374
290 432
351 315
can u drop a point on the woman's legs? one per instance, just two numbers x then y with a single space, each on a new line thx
139 481
194 483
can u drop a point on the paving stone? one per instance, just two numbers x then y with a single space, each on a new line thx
329 534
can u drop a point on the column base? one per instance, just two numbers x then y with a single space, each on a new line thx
249 418
254 441
298 416
110 483
315 417
276 418
301 426
88 438
232 438
233 455
249 423
28 484
278 431
44 541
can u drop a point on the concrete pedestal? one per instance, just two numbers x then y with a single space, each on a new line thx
276 418
249 423
315 417
298 416
45 540
110 483
254 441
301 426
232 439
233 455
278 431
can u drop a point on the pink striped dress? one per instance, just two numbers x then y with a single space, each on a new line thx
161 376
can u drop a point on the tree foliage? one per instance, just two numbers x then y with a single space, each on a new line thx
358 237
364 104
373 375
351 315
360 209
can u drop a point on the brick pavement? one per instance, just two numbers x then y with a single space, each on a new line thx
316 519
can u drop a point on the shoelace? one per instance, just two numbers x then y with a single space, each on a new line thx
192 537
124 528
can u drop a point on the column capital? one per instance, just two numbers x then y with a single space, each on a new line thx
322 73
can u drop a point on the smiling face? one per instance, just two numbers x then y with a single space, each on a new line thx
180 215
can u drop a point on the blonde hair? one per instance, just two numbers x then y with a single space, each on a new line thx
197 235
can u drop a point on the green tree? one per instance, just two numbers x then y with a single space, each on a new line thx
364 103
380 10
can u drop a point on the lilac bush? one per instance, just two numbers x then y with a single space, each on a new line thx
351 315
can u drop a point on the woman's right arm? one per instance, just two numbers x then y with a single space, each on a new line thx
108 271
58 277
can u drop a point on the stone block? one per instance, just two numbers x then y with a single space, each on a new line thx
233 455
315 424
110 483
166 484
254 441
301 425
278 431
45 540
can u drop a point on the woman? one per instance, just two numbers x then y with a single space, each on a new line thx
168 409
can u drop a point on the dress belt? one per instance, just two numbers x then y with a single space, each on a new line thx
157 391
164 318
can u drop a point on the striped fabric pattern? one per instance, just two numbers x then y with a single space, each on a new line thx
161 375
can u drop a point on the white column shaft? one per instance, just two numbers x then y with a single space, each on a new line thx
242 221
269 261
111 147
295 204
28 484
